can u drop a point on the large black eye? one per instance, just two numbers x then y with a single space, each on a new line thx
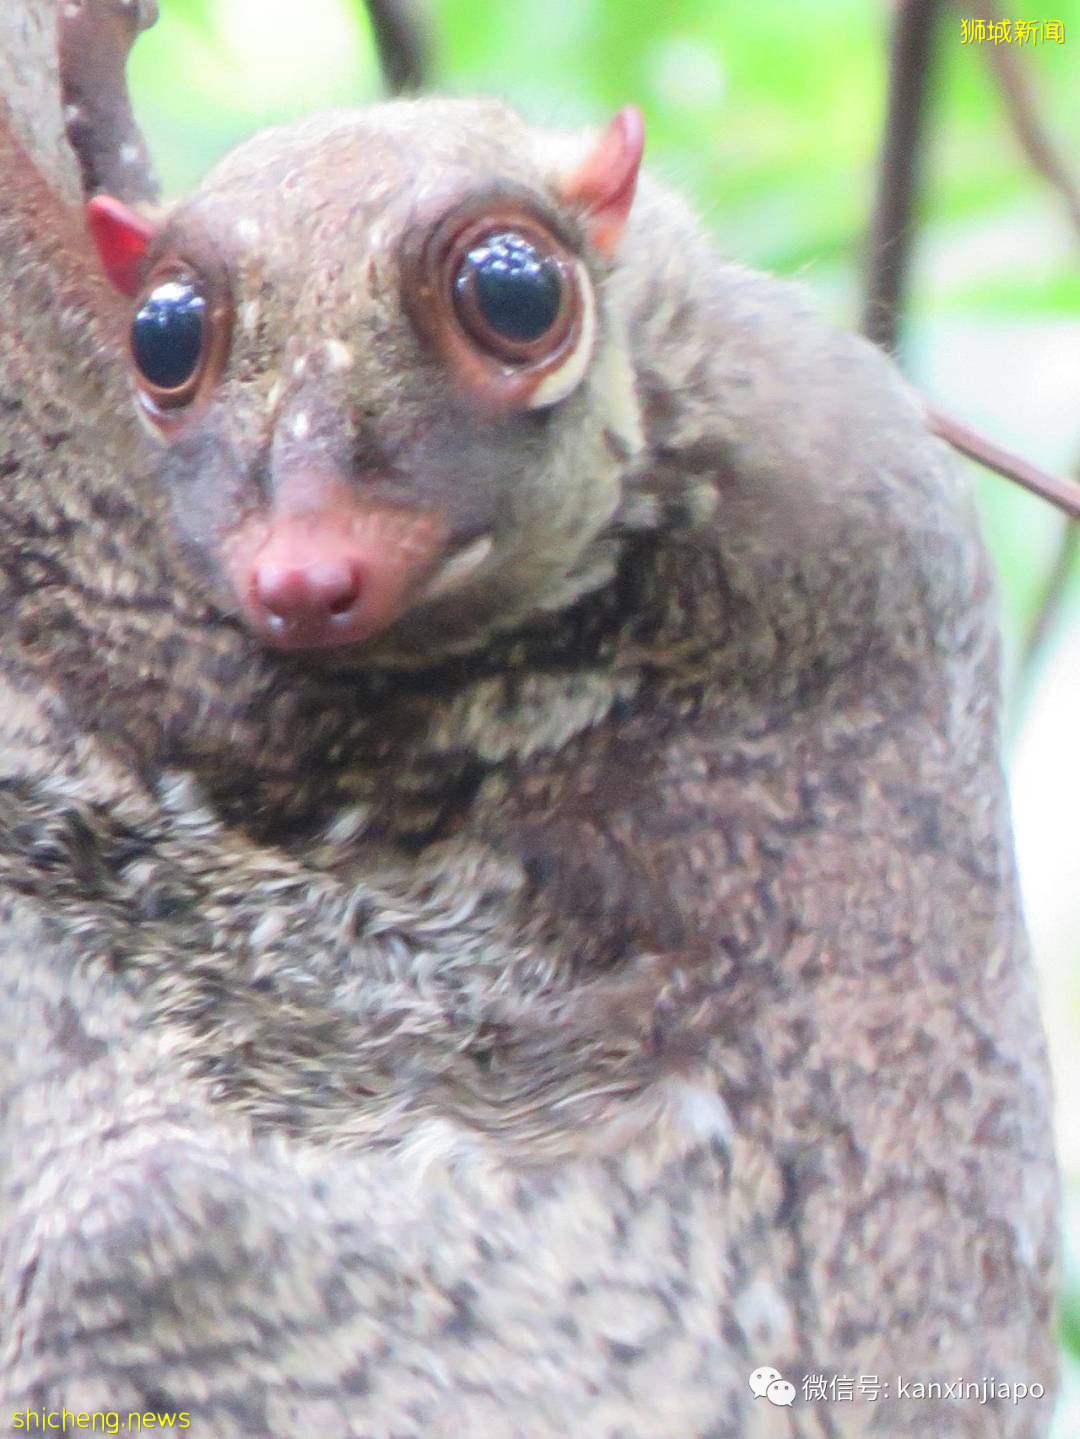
508 292
505 300
168 337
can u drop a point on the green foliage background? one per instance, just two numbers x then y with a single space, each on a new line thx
769 112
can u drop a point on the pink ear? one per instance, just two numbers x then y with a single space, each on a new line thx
605 181
121 236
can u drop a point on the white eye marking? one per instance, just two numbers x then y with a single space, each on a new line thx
338 356
556 386
301 427
149 426
129 154
247 232
458 568
299 366
614 382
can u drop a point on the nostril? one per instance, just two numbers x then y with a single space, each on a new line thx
345 601
335 586
308 594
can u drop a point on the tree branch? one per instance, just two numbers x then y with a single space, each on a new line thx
95 39
911 55
30 91
401 38
1061 492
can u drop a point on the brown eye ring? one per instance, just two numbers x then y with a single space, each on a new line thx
178 341
501 296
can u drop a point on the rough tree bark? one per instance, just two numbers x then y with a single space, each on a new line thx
30 88
96 37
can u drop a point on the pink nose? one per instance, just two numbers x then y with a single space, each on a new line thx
309 602
323 570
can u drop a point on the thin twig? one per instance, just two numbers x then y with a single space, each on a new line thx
910 60
1014 83
1061 492
401 38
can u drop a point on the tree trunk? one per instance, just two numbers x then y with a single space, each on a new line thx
30 90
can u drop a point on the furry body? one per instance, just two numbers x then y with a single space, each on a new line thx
533 1036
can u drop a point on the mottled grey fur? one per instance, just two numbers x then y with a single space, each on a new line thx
603 987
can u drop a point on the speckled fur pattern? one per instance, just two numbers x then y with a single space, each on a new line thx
534 1037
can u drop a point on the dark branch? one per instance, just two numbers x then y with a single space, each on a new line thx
1061 492
95 39
401 37
911 53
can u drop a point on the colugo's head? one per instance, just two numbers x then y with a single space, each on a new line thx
377 351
